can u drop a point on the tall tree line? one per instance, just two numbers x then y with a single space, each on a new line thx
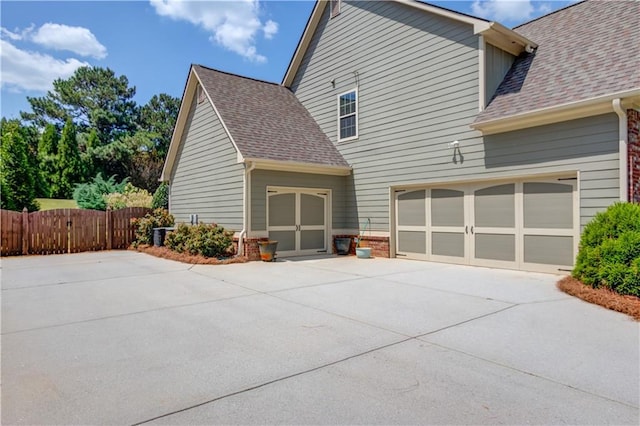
87 124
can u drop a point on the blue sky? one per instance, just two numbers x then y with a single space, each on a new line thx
154 42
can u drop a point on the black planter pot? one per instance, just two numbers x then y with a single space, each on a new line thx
343 244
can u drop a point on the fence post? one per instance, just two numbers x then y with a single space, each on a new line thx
109 228
25 231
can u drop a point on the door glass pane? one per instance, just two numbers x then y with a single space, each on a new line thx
286 239
312 240
495 246
412 242
548 205
411 209
495 206
282 210
548 249
447 207
447 244
311 210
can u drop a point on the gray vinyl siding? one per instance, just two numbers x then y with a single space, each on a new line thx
587 145
498 63
418 91
342 202
207 179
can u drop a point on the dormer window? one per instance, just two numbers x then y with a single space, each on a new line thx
335 8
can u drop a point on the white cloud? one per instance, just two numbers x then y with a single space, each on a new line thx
24 70
17 34
78 40
232 24
270 29
504 10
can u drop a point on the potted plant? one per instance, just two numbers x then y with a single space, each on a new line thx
268 250
363 252
343 245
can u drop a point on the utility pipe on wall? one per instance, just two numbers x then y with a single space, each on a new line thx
248 167
622 148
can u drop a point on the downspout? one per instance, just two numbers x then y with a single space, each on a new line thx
248 167
622 148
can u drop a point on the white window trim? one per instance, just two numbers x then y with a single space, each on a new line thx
355 89
338 9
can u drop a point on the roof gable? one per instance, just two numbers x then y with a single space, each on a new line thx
586 51
264 121
494 32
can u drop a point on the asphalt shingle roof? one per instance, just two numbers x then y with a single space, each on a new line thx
586 50
267 121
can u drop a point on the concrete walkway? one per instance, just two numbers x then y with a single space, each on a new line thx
124 338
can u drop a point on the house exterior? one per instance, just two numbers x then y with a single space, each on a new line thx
450 138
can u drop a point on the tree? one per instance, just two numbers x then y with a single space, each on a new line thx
92 97
158 118
17 175
47 159
69 166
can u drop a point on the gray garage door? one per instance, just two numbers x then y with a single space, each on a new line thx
529 224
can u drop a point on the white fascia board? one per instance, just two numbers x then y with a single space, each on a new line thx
292 166
569 111
183 113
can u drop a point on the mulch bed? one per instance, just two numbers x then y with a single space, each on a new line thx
165 253
629 305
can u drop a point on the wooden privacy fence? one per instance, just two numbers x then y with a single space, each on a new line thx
67 230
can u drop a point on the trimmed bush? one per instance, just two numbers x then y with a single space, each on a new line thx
161 197
159 218
609 254
208 240
130 197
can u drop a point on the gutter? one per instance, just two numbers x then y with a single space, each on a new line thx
553 114
248 167
622 148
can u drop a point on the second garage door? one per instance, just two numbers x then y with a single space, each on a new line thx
527 224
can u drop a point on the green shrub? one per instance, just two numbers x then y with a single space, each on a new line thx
131 196
609 254
161 197
91 195
208 240
158 218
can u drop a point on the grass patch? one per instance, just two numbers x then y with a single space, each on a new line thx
604 297
52 204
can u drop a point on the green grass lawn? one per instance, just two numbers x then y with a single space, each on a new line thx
52 203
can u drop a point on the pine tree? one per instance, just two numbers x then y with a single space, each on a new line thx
69 165
47 152
18 182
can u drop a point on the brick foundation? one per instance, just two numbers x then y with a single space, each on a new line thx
251 249
379 246
633 150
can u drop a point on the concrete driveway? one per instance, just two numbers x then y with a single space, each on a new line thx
125 338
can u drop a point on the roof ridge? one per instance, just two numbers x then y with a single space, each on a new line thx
549 14
237 75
